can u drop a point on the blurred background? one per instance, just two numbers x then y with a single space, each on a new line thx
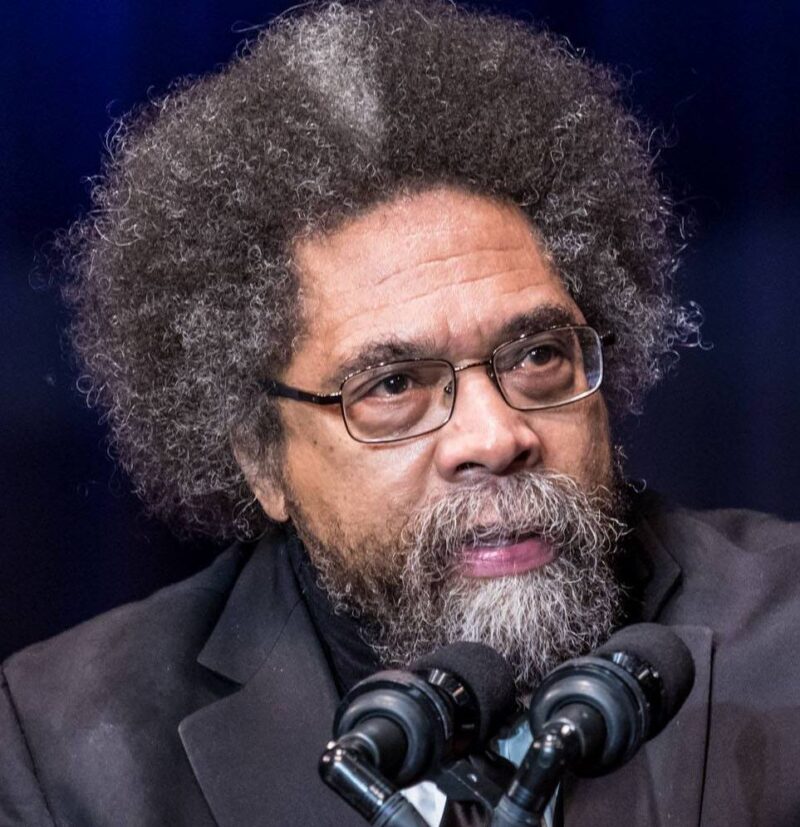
720 77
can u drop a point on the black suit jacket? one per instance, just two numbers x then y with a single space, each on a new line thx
209 703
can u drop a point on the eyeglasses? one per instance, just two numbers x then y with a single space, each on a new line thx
393 401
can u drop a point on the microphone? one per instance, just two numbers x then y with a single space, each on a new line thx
397 727
591 714
625 692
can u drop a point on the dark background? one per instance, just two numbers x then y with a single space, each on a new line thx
721 77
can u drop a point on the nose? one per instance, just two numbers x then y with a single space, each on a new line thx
484 436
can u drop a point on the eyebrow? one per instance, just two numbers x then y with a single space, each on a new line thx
395 349
540 318
392 349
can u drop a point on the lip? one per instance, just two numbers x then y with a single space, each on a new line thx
506 558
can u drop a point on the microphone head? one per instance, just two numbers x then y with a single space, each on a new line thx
484 671
659 647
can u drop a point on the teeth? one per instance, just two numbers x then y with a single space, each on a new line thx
493 542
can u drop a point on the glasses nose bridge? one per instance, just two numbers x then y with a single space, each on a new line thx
487 363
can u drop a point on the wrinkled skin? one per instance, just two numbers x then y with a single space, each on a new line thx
444 269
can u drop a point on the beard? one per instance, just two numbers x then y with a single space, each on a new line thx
406 585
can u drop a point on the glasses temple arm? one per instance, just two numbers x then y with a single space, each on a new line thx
274 388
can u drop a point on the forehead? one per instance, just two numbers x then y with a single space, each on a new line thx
443 269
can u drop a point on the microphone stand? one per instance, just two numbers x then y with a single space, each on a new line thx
346 767
559 745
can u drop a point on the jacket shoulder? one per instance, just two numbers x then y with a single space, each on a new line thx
736 573
89 711
742 529
120 658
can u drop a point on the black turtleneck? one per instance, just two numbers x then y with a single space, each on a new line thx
351 659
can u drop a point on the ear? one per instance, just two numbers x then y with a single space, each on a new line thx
270 495
266 488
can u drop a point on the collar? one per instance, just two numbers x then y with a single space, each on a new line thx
648 569
255 752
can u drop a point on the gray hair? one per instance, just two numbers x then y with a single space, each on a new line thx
180 277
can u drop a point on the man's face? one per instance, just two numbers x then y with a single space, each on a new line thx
449 275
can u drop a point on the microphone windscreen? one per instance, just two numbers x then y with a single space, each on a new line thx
484 671
664 651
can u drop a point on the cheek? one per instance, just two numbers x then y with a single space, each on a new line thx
576 440
338 479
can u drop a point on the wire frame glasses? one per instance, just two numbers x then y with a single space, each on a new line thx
400 400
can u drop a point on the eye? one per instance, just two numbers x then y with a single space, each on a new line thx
400 382
392 385
395 384
540 356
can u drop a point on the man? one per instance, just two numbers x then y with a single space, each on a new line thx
374 300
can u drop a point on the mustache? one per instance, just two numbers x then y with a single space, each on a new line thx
546 504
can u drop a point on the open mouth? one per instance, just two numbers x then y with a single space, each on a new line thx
505 556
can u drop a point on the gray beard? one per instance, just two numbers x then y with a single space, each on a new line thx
412 598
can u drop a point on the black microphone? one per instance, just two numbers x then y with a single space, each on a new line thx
397 727
591 714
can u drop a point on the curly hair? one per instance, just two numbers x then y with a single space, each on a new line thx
180 277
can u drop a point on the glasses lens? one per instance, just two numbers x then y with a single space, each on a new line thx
398 401
551 368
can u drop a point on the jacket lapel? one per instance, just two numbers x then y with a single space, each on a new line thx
663 784
255 752
676 758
